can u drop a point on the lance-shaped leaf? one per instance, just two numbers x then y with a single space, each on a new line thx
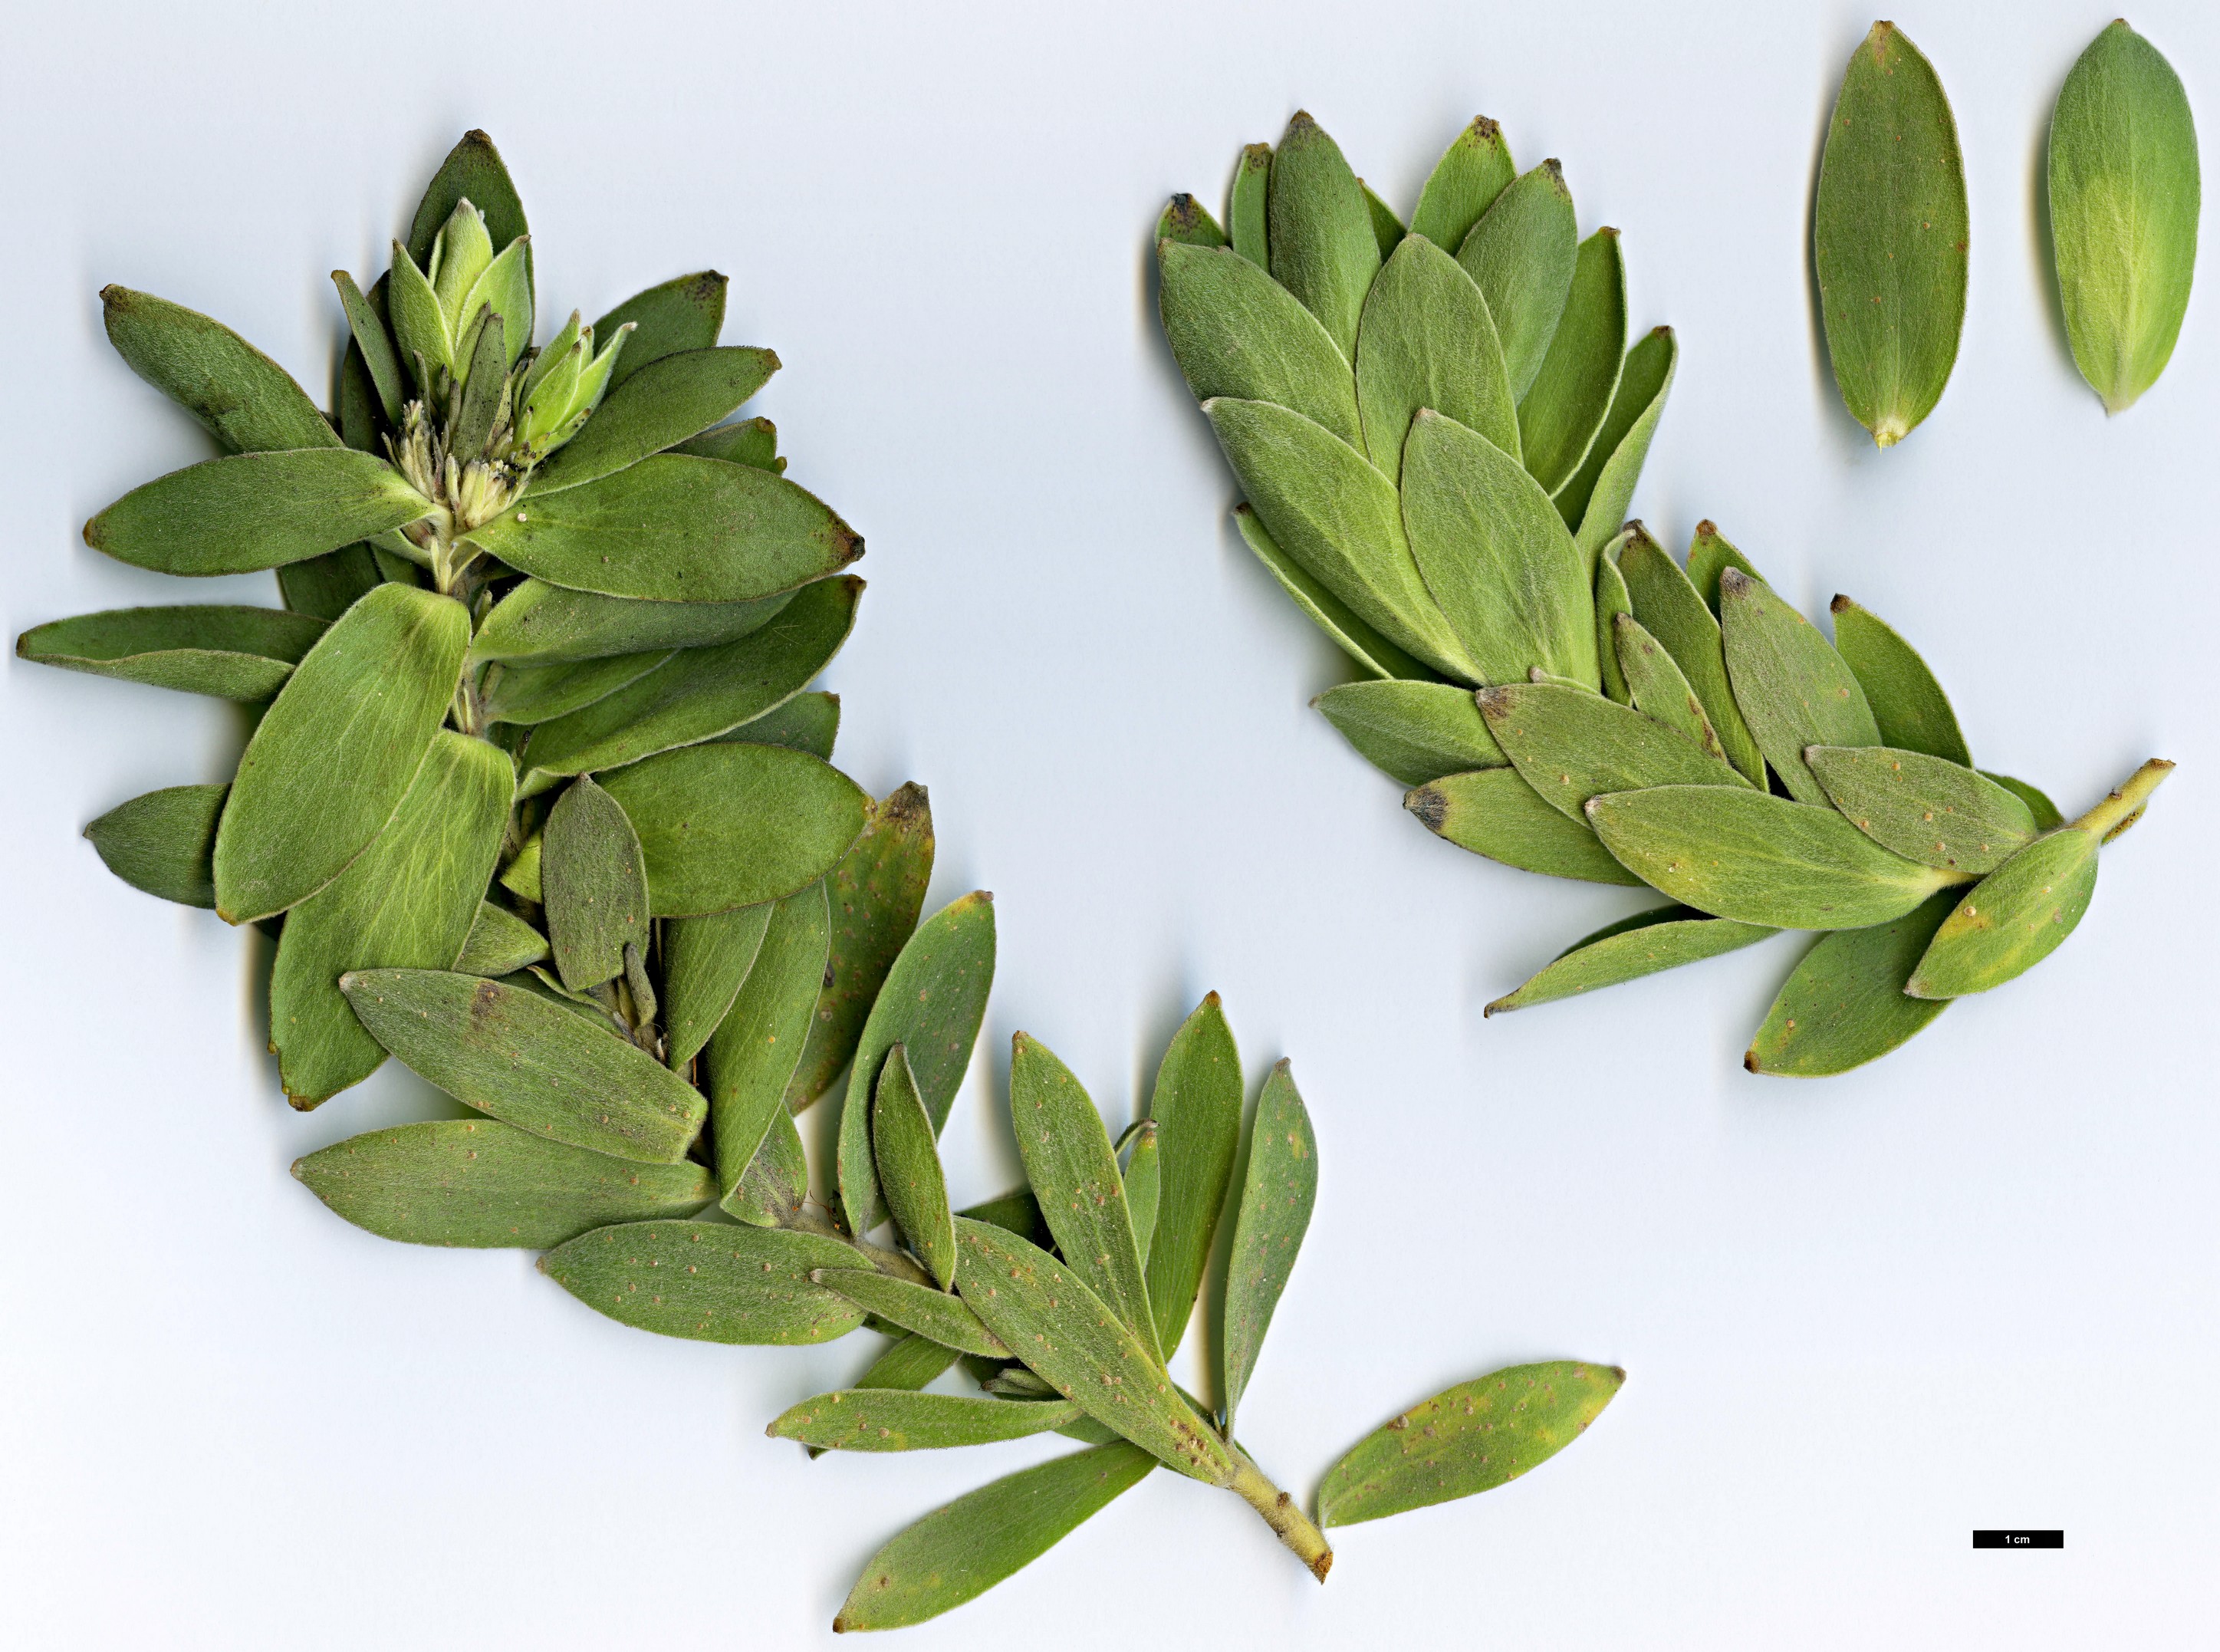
1613 604
370 350
2013 918
1413 732
1188 222
1465 183
1324 249
1196 1108
255 510
1521 254
1387 230
674 529
334 755
1645 945
538 621
1339 519
500 944
658 405
1739 853
746 441
909 1164
594 883
1246 205
236 653
709 1282
705 959
1275 1212
1658 689
1888 236
482 1183
1363 644
407 901
908 1363
1427 342
1794 691
886 1420
1073 1173
1143 1180
1068 1335
1496 557
164 842
2124 192
931 1003
1236 332
485 389
685 313
878 891
698 693
727 825
1562 412
1596 500
1571 745
526 693
1925 808
1909 706
916 1308
529 1062
960 1551
1672 608
1469 1438
1709 556
808 722
473 171
1845 1005
241 397
1494 812
752 1053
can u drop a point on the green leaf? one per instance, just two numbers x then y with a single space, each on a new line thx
751 1055
1845 1003
373 347
1739 853
420 331
1613 604
1196 1108
505 289
1236 332
1564 408
1521 254
663 404
254 510
878 892
1660 690
528 1061
1324 248
908 1165
1494 812
334 755
1275 1212
705 959
1386 228
674 529
1427 340
1070 1337
471 172
1496 557
1794 690
526 693
593 880
698 693
885 1419
1465 183
1672 608
1073 1175
1017 1212
1413 732
1595 501
241 397
1185 221
324 588
409 901
960 1551
1371 651
500 944
164 842
776 1185
521 876
1144 1183
541 622
1909 706
1469 1438
1572 744
685 313
483 1184
2046 813
808 722
916 1308
237 653
485 388
1925 808
729 825
2124 192
746 441
910 1364
2012 920
934 998
1645 945
1709 558
710 1281
1246 205
1888 236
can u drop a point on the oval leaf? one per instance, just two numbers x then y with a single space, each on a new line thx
593 880
500 944
1562 412
1427 342
255 510
236 653
1324 249
709 1282
916 1308
1413 732
885 1419
1571 745
685 313
1845 1004
241 397
1465 183
908 1165
1670 606
1236 332
1926 809
1658 689
705 959
752 1052
164 842
1794 690
1366 647
1909 706
1196 1108
1275 1212
1494 812
2013 919
1521 255
1645 945
659 404
542 622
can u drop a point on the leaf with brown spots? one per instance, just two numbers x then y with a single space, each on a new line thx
708 1282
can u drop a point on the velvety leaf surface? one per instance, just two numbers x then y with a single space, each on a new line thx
708 1282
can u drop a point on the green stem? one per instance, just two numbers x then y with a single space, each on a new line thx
2125 806
1283 1514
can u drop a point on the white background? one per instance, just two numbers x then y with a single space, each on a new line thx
1975 1285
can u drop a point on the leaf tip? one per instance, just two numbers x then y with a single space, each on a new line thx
1749 1062
1503 1003
298 1174
1430 804
1211 1001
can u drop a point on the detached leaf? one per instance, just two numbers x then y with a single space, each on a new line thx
1413 732
916 1308
1324 249
1926 809
909 1164
1561 413
1521 254
752 1054
2013 919
1275 1212
1470 1438
1196 1108
1236 332
885 1419
164 842
657 406
708 1282
237 653
1494 812
685 313
593 880
538 621
255 510
1465 183
1645 945
241 397
1845 1004
1794 689
1909 706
